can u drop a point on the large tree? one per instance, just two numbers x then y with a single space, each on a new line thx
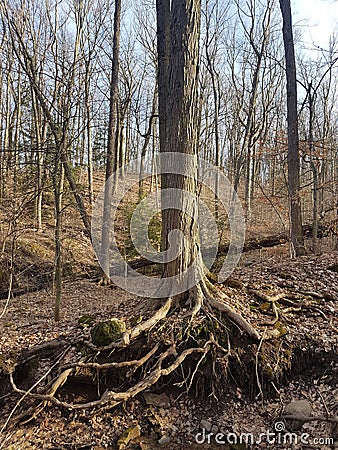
178 35
179 30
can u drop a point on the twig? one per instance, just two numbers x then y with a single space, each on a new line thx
256 367
324 403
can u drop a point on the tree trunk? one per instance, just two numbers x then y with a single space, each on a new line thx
58 181
89 134
314 168
40 136
216 94
296 233
163 49
147 137
111 147
178 88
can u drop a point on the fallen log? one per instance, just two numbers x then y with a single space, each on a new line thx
252 244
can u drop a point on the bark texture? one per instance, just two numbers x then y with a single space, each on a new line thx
111 147
178 49
296 234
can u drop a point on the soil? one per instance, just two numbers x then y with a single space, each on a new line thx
309 333
300 362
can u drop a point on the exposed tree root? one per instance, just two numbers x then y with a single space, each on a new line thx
236 317
134 363
145 371
29 392
133 333
111 399
61 380
296 303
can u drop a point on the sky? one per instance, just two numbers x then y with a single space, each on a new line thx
317 18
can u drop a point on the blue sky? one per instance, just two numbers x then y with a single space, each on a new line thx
318 19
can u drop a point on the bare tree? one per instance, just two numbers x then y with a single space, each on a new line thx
178 85
178 58
215 13
112 149
296 231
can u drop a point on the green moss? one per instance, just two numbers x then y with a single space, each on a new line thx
281 328
268 372
104 333
136 320
86 320
264 307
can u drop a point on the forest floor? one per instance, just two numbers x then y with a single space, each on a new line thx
303 366
174 415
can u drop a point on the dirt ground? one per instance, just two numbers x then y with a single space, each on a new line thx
177 420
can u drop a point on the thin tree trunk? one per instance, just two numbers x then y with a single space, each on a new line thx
296 232
215 92
314 169
1 136
40 136
147 137
58 181
121 145
6 145
111 160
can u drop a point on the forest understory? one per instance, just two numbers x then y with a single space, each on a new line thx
64 392
159 139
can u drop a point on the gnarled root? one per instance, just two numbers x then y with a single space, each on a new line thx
162 359
236 317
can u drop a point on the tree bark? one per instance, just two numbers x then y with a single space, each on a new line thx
147 137
296 234
178 89
112 147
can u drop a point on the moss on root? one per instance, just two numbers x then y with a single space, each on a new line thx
104 333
